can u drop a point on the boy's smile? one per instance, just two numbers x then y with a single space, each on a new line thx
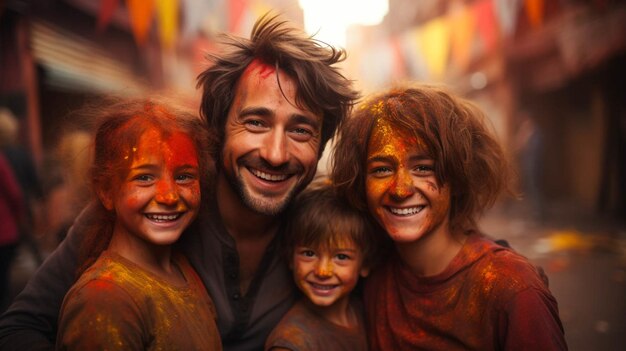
327 277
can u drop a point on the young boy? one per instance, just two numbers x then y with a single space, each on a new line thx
425 165
329 246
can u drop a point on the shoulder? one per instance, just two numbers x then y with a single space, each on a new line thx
98 291
97 313
504 272
294 330
107 284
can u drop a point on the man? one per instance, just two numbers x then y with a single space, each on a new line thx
274 101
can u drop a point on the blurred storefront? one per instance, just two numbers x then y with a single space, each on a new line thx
57 55
549 74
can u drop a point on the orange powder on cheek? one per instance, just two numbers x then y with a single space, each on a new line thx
132 201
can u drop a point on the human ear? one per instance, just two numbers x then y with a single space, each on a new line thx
365 271
105 198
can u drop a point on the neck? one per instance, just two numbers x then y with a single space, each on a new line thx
340 312
153 258
432 253
240 221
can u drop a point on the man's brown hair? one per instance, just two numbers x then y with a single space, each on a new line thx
321 88
467 156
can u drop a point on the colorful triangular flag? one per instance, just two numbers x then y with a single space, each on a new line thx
140 13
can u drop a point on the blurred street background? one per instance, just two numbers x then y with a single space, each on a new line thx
550 75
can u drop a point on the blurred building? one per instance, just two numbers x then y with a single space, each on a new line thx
560 64
56 54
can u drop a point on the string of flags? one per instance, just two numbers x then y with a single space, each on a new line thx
466 30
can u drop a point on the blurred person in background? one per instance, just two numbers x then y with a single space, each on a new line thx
11 215
528 144
23 167
274 101
67 187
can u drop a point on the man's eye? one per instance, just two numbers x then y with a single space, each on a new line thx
254 124
301 134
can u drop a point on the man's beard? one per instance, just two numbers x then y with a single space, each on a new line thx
269 206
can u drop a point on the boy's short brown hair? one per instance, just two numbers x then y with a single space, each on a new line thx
467 155
320 219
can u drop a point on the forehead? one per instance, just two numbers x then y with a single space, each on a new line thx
387 139
333 241
174 147
263 85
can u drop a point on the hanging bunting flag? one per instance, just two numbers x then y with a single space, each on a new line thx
462 30
409 42
259 8
507 12
236 11
195 12
534 11
486 23
107 10
434 42
140 13
399 65
167 11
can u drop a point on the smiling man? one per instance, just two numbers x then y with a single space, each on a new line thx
274 101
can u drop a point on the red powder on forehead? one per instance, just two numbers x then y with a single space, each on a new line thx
259 67
182 150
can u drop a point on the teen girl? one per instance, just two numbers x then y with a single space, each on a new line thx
424 165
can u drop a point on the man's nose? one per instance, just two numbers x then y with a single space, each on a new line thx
275 149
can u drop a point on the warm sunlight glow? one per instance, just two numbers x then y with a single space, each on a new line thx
331 18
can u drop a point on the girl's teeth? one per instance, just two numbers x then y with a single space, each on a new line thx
162 218
323 287
405 211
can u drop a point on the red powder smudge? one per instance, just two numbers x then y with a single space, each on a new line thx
264 70
184 151
132 201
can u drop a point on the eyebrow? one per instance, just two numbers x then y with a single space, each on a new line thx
388 158
148 166
298 118
261 111
152 167
345 249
